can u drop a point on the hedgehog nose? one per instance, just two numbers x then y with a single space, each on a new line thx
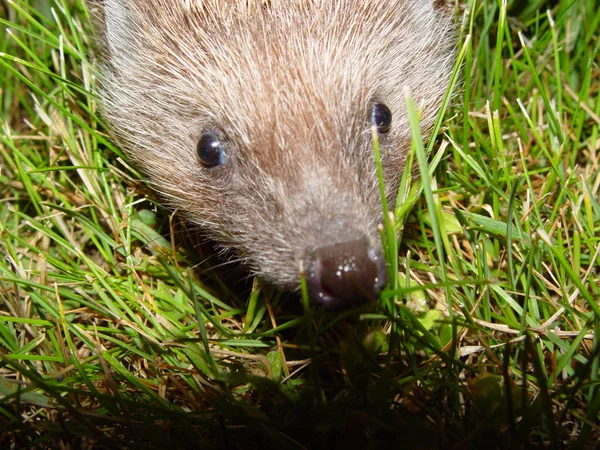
345 275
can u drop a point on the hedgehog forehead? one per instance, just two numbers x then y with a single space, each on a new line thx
266 94
290 76
287 60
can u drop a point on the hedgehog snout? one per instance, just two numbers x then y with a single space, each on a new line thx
345 274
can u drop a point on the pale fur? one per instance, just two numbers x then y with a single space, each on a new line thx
291 84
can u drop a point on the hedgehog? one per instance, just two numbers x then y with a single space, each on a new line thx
255 119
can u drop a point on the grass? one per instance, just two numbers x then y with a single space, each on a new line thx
113 334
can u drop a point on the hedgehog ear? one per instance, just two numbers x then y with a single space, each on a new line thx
114 23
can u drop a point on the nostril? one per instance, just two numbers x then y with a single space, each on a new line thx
345 274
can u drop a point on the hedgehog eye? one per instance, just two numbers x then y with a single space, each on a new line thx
381 117
210 150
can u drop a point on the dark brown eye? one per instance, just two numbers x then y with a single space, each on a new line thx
210 150
381 117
